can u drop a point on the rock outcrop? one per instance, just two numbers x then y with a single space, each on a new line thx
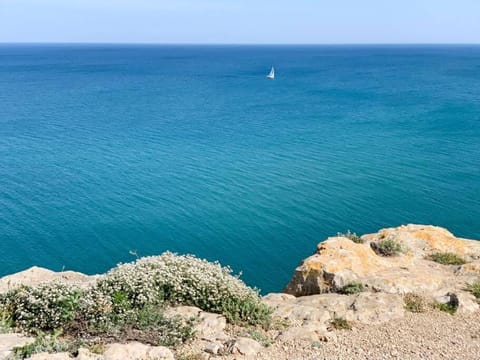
137 351
36 275
340 261
311 301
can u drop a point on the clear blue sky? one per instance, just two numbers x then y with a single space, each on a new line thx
241 21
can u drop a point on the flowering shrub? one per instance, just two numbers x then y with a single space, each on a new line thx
128 291
182 279
48 306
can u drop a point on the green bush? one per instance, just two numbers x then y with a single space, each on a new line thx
474 289
387 247
340 324
414 303
49 343
259 337
149 325
352 236
352 288
447 258
446 307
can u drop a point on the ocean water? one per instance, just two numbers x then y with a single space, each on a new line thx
107 150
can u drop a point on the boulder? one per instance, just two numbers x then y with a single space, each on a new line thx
10 341
37 275
85 354
336 305
208 325
309 331
376 308
137 351
246 347
336 254
214 348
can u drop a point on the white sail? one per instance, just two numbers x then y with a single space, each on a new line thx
272 74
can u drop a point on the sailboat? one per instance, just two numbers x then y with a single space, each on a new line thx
271 75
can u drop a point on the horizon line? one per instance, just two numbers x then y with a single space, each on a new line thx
235 44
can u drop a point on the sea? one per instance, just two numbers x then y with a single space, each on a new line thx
113 152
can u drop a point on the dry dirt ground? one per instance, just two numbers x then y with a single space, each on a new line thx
432 335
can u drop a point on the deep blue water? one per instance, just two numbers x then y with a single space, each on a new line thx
106 149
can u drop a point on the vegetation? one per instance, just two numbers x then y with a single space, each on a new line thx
352 236
185 280
414 303
475 289
446 307
340 324
259 337
387 247
128 303
149 325
352 288
45 343
447 258
189 356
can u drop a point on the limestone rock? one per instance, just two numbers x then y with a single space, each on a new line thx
298 314
247 347
208 325
376 308
471 268
467 303
214 348
137 351
336 305
425 240
85 354
273 299
336 254
48 356
184 311
37 275
340 261
310 331
10 341
464 301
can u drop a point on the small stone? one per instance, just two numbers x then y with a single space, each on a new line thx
137 351
10 341
213 348
247 347
221 336
85 354
210 324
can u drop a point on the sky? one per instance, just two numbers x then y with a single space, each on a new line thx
241 21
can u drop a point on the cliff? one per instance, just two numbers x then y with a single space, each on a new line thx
404 292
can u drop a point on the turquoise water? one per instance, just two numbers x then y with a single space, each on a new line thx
108 149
